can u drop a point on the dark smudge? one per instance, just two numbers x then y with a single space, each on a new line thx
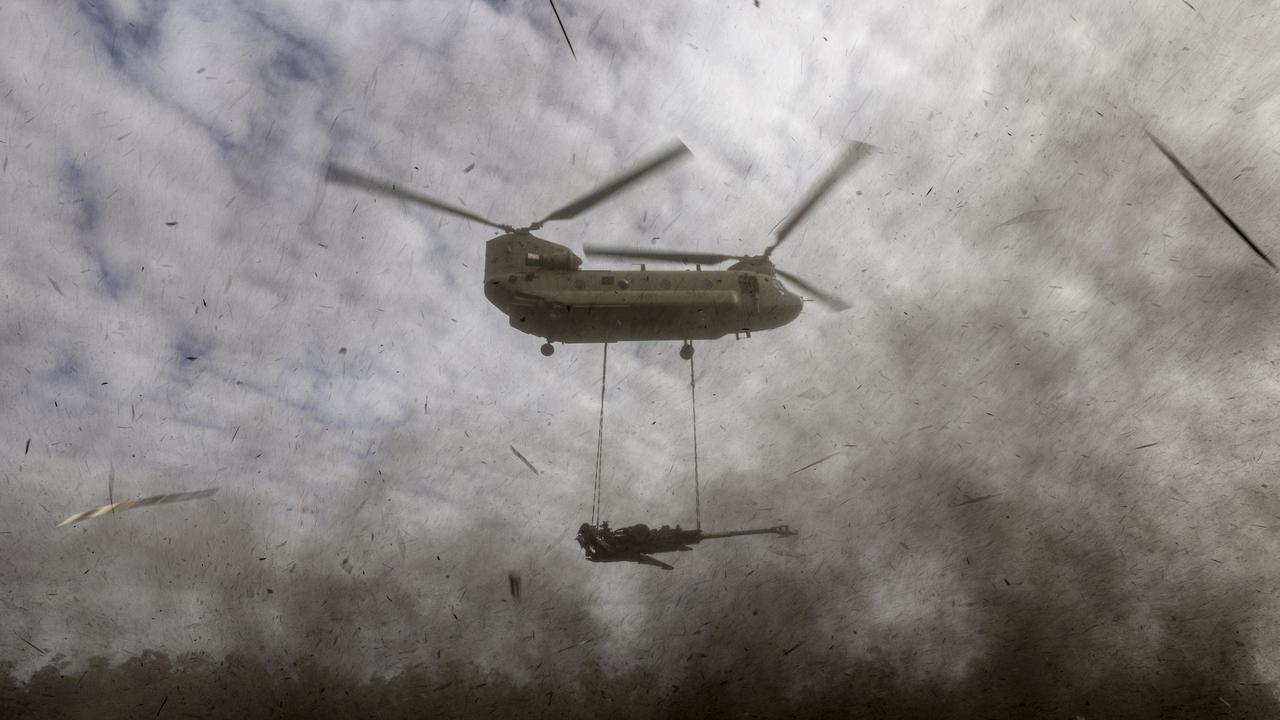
1038 663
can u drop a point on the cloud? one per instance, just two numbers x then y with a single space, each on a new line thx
1024 364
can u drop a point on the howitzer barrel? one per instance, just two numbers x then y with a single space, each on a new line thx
782 530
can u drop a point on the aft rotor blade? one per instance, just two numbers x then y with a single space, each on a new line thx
829 300
1204 194
345 176
852 155
671 154
689 258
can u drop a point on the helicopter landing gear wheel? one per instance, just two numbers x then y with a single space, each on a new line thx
686 351
548 349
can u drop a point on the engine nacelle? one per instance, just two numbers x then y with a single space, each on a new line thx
519 253
556 260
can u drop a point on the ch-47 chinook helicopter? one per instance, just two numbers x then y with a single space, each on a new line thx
539 285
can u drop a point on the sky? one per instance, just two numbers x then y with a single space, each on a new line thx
1053 399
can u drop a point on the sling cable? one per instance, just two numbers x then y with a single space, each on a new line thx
637 543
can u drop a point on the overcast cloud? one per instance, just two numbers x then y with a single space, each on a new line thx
182 299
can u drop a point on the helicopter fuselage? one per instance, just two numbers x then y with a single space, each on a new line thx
537 284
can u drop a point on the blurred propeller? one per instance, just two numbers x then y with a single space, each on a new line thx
344 176
852 155
1186 174
677 151
827 299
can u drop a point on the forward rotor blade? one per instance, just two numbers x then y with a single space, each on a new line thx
689 258
1204 194
852 155
829 300
344 176
591 199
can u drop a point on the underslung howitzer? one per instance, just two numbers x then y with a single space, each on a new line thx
636 543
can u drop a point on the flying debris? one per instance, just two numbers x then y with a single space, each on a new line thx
143 502
566 32
1205 194
1027 217
524 460
35 647
814 394
973 500
815 463
578 644
638 543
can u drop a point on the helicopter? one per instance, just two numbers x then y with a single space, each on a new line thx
539 286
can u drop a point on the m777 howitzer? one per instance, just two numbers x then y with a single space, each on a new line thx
637 543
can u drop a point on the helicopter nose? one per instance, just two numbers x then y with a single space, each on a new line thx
792 307
784 309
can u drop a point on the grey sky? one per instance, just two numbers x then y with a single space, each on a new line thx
1024 361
